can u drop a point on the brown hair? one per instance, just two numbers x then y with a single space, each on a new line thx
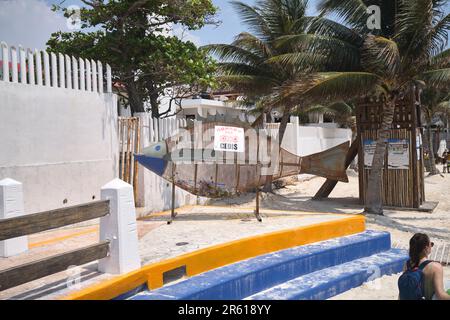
417 245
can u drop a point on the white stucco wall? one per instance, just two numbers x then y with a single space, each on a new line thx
306 140
155 193
60 143
316 139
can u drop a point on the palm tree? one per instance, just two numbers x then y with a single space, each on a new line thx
435 104
389 62
247 63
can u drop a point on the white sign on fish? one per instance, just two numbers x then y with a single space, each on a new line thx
229 139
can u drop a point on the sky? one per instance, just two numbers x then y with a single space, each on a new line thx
31 22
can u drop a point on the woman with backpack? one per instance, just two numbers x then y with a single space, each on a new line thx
422 279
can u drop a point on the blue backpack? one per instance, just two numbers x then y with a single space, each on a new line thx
411 282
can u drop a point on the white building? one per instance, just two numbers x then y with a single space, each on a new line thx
202 108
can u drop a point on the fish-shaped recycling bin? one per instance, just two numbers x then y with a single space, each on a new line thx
233 159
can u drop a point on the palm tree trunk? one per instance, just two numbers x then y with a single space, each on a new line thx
433 169
374 197
281 132
354 164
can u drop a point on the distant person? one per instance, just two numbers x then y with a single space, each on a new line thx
448 162
426 157
422 279
445 162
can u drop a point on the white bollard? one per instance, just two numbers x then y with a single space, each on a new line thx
11 205
120 228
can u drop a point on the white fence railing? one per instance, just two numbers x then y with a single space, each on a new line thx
154 130
36 67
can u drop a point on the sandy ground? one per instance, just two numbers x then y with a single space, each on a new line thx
224 220
401 224
344 199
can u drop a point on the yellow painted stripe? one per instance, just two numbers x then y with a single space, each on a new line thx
219 255
62 238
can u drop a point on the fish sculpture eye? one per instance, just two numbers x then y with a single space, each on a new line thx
158 148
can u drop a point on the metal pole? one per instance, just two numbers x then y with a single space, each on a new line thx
258 216
173 213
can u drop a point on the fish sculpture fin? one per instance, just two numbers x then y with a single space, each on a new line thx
329 164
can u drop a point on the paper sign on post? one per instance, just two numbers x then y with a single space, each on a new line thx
230 139
398 154
369 151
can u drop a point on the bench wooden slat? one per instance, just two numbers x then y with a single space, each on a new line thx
42 221
18 275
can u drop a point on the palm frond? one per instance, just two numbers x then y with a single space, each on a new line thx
439 78
305 61
253 44
351 12
252 17
252 83
441 60
234 68
231 53
341 108
438 35
317 108
284 17
414 25
444 107
326 27
340 54
331 86
380 55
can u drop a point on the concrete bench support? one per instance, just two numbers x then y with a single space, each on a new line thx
11 205
120 228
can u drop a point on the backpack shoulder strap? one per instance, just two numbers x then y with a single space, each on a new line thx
424 264
409 265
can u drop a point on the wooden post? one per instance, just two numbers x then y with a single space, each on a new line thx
137 150
34 270
360 153
414 147
128 150
18 226
119 227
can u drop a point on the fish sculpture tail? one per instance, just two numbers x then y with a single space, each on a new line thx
328 164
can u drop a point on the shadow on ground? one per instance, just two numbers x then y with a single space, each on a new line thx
89 272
